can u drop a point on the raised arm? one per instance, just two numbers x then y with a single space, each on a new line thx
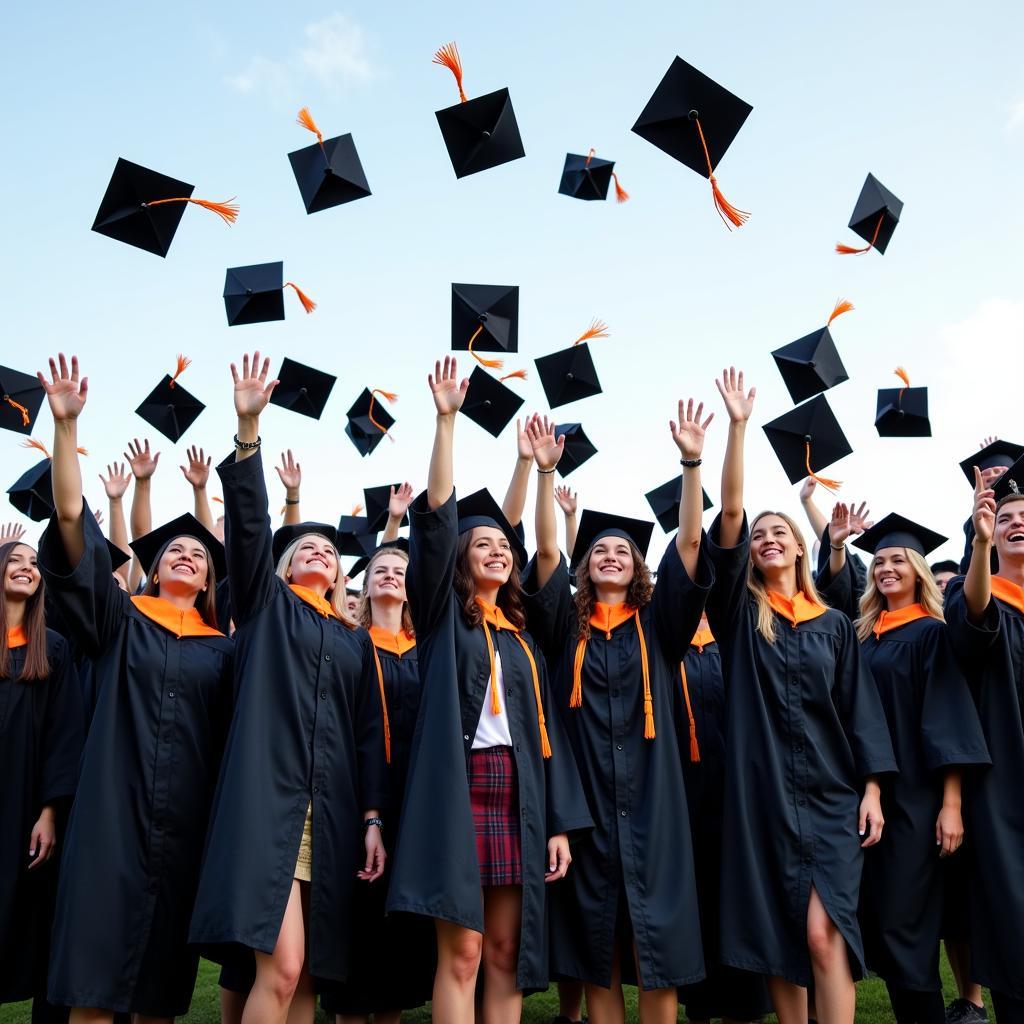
143 464
739 406
568 502
115 484
398 506
515 496
815 516
197 473
547 450
688 434
449 394
290 474
978 584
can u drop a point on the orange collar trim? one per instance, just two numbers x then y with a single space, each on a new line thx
394 643
888 621
16 637
1008 592
173 619
314 600
701 639
494 616
800 609
607 617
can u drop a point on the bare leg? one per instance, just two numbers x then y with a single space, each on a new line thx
789 1000
89 1015
231 1006
278 973
387 1017
303 1005
458 961
657 1005
606 1005
570 999
503 915
835 994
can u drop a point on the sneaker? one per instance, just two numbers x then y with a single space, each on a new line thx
963 1011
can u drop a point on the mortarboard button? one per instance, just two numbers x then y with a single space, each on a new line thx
811 364
896 531
808 439
578 448
21 396
664 502
169 408
595 525
148 547
490 403
588 177
569 374
302 389
903 412
874 217
255 294
369 421
998 453
329 172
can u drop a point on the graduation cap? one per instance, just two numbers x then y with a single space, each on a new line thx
811 364
874 217
255 294
481 132
578 448
302 388
807 439
490 403
480 509
596 525
21 396
896 531
143 208
694 119
32 493
998 453
376 501
569 374
169 408
284 535
117 556
355 535
664 502
485 317
328 173
903 412
148 548
1011 482
360 564
588 177
369 421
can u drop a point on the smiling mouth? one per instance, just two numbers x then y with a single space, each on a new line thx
1015 537
21 578
183 565
495 566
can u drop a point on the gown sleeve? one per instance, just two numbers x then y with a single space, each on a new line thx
678 601
728 594
63 728
374 790
550 612
248 539
433 542
843 591
969 640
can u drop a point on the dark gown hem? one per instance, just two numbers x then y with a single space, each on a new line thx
579 974
902 981
475 924
121 1004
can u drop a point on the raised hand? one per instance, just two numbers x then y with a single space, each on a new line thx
65 392
399 501
567 500
738 404
688 433
449 393
547 449
198 470
252 392
840 527
10 532
289 471
987 441
984 515
523 445
116 481
859 518
807 489
139 458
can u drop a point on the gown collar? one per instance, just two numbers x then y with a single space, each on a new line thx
607 617
888 621
1008 592
800 609
16 637
314 600
180 622
701 639
494 616
394 643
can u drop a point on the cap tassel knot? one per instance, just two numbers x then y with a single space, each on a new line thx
842 306
307 303
17 405
826 482
448 57
494 364
847 250
728 212
183 364
391 397
227 210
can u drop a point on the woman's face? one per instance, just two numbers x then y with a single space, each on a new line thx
489 556
21 579
894 576
386 580
1009 532
183 567
314 563
772 545
611 563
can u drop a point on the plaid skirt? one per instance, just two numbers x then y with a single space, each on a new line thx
494 797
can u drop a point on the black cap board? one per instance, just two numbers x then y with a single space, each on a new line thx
21 396
494 308
480 509
998 453
170 408
32 493
117 556
568 375
595 525
1011 482
585 177
329 172
284 536
148 548
355 536
253 294
489 403
875 216
810 365
896 531
807 439
368 422
903 412
303 389
664 502
376 501
578 448
481 133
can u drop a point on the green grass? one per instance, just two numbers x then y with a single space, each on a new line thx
872 1003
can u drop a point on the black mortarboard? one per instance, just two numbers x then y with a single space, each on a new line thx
284 535
147 548
117 556
21 396
480 509
1011 482
578 448
569 374
481 132
486 315
998 453
169 408
302 388
368 420
595 525
360 564
355 536
376 501
895 531
903 412
874 217
664 502
811 364
255 294
490 403
32 493
588 177
689 111
808 439
328 172
143 208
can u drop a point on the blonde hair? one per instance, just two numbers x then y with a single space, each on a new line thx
335 595
364 612
755 579
873 603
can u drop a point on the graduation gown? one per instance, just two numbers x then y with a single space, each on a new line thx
804 727
135 835
638 860
40 744
436 871
991 654
307 728
934 725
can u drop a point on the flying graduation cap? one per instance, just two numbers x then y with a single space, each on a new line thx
874 217
664 502
811 364
578 448
32 493
255 294
569 374
587 177
903 412
21 396
328 173
355 535
169 408
489 403
695 120
303 389
480 133
376 501
807 439
143 207
485 317
369 421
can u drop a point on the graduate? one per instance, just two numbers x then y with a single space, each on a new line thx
628 911
40 742
807 742
297 812
163 675
493 794
985 617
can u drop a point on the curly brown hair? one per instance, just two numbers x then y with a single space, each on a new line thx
510 594
640 592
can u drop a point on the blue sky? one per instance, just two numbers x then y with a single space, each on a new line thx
927 96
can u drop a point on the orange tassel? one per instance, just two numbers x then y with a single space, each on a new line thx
649 733
183 364
494 364
905 377
576 697
448 57
842 306
357 510
17 405
726 210
220 501
621 195
597 329
383 705
391 397
826 482
846 250
227 211
38 445
517 374
82 451
305 119
694 746
307 303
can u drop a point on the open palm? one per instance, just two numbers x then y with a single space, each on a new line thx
65 392
252 392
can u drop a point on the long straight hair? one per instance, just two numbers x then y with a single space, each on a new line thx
510 594
364 613
37 664
335 594
873 603
206 600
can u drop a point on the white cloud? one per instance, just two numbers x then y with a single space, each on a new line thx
1016 119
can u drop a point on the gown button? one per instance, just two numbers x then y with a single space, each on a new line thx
623 813
618 746
323 695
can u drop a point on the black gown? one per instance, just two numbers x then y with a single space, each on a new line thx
933 725
40 744
135 836
804 727
634 873
307 728
436 871
991 655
